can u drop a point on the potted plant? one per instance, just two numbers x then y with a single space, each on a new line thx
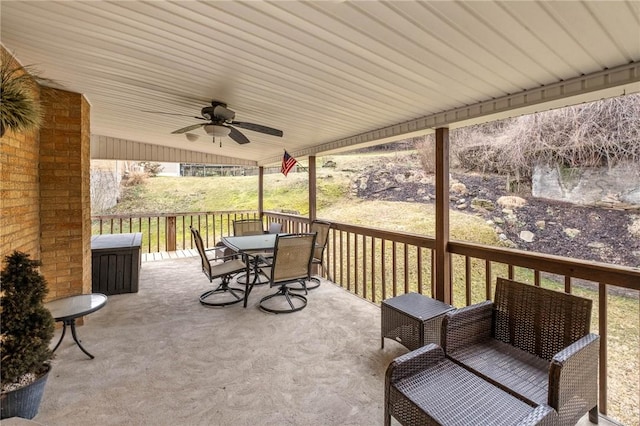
27 329
20 109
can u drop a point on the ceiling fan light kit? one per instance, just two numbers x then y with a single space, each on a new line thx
216 130
191 137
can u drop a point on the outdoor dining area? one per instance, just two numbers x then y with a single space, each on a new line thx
260 257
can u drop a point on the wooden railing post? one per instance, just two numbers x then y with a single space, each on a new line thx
313 184
260 192
443 291
602 330
171 233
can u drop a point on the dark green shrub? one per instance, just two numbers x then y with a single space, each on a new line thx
27 326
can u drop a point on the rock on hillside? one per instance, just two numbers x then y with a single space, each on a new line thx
523 222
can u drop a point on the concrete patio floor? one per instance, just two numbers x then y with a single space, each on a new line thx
161 358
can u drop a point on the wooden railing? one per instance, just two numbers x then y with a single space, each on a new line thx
170 231
376 264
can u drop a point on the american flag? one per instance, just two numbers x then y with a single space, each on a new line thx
287 163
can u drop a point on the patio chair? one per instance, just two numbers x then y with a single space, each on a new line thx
247 227
533 343
321 229
222 267
244 227
274 228
291 263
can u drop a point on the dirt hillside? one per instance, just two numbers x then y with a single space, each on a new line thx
527 223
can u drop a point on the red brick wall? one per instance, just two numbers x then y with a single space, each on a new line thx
65 210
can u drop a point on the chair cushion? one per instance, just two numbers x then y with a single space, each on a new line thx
451 395
512 369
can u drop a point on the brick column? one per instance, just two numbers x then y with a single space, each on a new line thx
19 193
65 206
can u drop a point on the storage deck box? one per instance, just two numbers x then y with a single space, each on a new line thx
115 263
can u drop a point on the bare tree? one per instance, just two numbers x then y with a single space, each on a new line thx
602 133
105 189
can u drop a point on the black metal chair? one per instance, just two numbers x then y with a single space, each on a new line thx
291 263
222 267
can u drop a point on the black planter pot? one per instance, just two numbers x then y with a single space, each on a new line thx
24 402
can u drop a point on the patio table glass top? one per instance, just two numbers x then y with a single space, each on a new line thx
249 243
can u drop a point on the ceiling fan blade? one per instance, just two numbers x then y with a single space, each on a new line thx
237 136
258 128
188 128
171 113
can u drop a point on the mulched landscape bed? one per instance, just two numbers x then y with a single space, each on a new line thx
603 232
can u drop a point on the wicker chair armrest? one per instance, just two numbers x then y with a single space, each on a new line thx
573 374
467 325
541 415
410 363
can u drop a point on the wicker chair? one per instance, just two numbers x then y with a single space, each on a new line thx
423 387
291 263
532 342
219 267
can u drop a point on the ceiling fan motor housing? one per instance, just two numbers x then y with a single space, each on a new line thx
218 112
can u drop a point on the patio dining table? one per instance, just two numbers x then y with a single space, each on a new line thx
251 245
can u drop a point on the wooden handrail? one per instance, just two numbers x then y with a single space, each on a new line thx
621 276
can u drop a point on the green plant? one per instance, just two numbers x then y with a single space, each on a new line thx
19 106
27 326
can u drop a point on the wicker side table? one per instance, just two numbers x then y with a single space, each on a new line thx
412 319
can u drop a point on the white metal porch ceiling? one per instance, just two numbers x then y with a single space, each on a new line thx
328 73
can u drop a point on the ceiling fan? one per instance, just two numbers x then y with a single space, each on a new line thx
219 122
